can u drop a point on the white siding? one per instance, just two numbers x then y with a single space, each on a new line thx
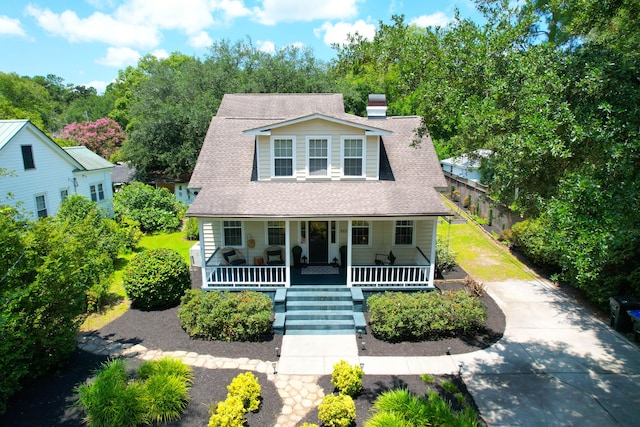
317 127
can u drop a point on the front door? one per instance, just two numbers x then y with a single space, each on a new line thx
318 242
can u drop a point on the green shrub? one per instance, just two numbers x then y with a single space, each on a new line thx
337 410
228 413
157 278
445 256
246 387
160 394
530 237
191 228
397 316
347 379
155 209
308 425
226 316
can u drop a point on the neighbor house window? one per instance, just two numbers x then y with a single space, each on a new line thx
41 206
318 153
283 157
404 232
232 233
276 233
64 193
27 157
352 156
97 192
360 233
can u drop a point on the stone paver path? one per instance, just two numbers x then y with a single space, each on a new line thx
299 393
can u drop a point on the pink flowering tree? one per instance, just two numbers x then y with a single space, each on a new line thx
104 136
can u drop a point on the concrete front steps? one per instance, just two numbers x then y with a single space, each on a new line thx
318 310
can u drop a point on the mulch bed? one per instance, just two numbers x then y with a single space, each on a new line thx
48 400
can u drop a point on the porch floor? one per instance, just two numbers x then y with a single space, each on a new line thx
297 278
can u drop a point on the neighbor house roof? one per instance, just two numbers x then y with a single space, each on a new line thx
9 129
223 172
87 158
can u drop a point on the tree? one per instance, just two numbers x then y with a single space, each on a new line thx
154 209
104 136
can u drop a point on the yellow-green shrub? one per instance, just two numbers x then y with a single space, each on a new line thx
228 413
347 379
246 387
337 410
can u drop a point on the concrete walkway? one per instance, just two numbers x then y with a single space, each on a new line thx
557 365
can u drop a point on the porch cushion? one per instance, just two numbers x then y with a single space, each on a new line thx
274 257
233 258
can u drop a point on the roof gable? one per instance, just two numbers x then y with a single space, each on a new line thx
369 130
87 158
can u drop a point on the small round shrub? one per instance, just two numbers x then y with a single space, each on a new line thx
228 413
191 229
156 279
337 410
347 379
246 387
226 316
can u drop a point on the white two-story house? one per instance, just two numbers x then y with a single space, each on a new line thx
289 180
38 174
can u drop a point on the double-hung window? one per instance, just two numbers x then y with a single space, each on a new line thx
360 233
283 149
404 233
232 233
41 206
276 233
64 193
353 152
97 192
318 156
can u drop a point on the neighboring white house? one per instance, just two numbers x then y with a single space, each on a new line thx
39 174
466 166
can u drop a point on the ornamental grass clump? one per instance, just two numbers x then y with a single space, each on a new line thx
400 316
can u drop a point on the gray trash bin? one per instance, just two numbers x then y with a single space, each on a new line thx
620 320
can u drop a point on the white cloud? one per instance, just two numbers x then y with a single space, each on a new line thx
160 54
200 40
97 27
11 27
275 11
266 46
99 85
437 19
190 16
337 33
230 9
120 57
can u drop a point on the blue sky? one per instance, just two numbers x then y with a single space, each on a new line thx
86 42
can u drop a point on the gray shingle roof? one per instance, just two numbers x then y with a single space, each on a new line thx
224 167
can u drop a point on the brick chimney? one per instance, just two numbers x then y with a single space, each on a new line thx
377 106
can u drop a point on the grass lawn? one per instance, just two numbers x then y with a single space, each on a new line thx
479 255
174 241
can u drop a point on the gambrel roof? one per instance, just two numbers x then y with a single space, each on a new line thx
223 172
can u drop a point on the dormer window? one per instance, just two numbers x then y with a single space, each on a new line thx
318 156
353 151
282 149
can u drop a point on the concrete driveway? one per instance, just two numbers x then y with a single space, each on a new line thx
557 365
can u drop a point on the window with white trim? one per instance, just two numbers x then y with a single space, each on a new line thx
276 233
232 231
352 156
64 193
41 206
318 156
97 192
403 233
282 149
360 231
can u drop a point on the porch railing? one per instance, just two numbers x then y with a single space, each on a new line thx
393 275
250 275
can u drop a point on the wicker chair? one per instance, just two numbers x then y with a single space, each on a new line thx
233 256
274 255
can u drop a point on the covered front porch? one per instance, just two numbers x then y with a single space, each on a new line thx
368 253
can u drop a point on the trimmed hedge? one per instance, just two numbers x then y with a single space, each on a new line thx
226 316
157 278
399 316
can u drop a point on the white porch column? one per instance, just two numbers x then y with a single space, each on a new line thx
203 260
432 257
349 246
287 256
